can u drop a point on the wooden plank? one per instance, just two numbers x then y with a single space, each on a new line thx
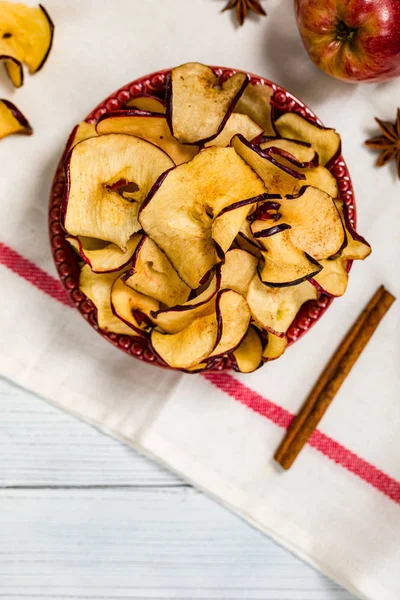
42 446
142 543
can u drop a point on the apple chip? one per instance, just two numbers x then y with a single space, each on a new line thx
302 151
326 142
103 257
180 316
147 103
179 212
247 245
283 263
92 205
147 126
26 36
219 330
97 287
275 347
236 124
12 120
256 103
197 106
333 278
233 315
277 178
82 131
357 247
132 308
274 309
237 271
316 227
12 66
248 356
153 275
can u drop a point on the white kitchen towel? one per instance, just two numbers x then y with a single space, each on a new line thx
339 506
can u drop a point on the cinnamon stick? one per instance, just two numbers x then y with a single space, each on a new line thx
332 377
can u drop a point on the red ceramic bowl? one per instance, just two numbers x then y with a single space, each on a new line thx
67 261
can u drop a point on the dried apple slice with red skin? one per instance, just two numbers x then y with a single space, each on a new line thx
26 34
91 207
255 102
284 157
12 120
147 126
132 308
195 343
284 264
13 68
278 178
97 287
274 348
316 225
333 278
180 316
237 124
274 309
233 316
248 355
302 151
147 103
82 131
108 258
247 245
197 106
357 247
179 211
153 275
326 142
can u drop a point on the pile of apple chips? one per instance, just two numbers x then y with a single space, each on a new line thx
205 224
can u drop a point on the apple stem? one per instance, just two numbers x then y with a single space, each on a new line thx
344 33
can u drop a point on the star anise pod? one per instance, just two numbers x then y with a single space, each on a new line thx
388 143
243 7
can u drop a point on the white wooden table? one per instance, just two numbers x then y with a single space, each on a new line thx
83 517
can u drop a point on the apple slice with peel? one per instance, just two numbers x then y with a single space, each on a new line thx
316 227
247 245
274 347
82 131
179 212
132 308
147 126
197 106
315 175
274 309
147 103
12 120
326 142
103 257
180 316
302 151
205 334
277 178
238 270
26 36
284 264
256 103
153 275
236 124
97 287
92 206
233 315
333 278
12 66
248 356
357 247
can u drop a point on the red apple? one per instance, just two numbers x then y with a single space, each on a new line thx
352 40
